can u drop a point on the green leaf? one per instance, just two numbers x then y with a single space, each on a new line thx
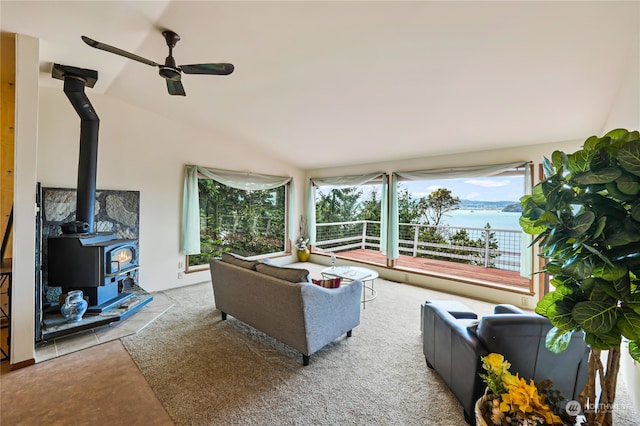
544 303
581 223
628 184
596 317
560 314
617 134
529 205
578 267
605 175
603 206
608 288
561 198
553 269
634 350
634 303
531 227
598 253
635 211
559 159
623 287
590 143
629 157
613 191
578 162
629 324
547 219
602 222
622 233
609 271
557 340
603 341
538 196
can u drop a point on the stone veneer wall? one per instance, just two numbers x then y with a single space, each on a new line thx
116 212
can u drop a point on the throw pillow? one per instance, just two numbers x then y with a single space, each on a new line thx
327 283
234 259
293 275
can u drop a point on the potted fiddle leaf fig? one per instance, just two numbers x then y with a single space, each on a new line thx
585 214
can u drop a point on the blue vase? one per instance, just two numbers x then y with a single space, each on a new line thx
74 306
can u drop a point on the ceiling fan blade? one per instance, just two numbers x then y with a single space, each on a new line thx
111 49
175 88
211 69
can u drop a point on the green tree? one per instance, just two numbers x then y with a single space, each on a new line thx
370 207
245 222
407 206
433 207
338 205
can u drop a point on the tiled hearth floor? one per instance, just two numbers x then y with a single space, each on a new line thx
95 336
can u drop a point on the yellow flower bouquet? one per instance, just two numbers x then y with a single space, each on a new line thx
511 400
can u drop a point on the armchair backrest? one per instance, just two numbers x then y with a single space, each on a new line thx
521 339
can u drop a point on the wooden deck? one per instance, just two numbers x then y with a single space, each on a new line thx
489 277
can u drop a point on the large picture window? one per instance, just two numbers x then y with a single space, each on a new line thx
227 211
348 212
348 217
248 223
466 220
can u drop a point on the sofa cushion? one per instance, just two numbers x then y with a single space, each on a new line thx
327 283
293 275
234 259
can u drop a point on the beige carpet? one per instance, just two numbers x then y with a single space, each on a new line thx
209 372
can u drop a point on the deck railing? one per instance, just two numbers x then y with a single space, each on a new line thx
488 247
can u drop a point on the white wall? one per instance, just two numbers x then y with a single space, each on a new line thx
625 111
24 233
141 151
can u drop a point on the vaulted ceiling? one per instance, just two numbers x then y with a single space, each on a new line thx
361 81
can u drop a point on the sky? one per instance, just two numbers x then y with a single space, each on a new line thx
501 188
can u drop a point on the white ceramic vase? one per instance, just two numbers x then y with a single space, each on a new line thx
74 306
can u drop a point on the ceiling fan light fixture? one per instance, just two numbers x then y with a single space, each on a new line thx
169 73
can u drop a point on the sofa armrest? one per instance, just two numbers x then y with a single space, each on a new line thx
330 312
451 347
505 308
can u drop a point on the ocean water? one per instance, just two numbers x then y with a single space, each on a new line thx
479 218
499 221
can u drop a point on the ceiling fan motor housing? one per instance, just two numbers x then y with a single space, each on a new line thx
169 73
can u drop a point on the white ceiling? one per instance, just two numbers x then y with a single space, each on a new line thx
359 81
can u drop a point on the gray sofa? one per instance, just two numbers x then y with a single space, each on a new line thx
284 304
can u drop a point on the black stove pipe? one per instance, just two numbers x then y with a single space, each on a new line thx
88 158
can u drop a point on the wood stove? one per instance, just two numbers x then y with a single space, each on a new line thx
99 264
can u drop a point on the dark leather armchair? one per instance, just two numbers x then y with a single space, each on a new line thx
453 347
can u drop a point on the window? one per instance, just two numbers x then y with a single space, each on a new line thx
348 217
466 220
228 211
248 223
349 213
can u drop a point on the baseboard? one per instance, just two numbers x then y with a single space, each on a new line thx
23 364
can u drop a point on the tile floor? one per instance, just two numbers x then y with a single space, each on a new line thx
85 339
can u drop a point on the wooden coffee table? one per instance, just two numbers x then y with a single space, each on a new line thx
353 273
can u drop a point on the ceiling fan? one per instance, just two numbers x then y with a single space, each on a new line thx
171 72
